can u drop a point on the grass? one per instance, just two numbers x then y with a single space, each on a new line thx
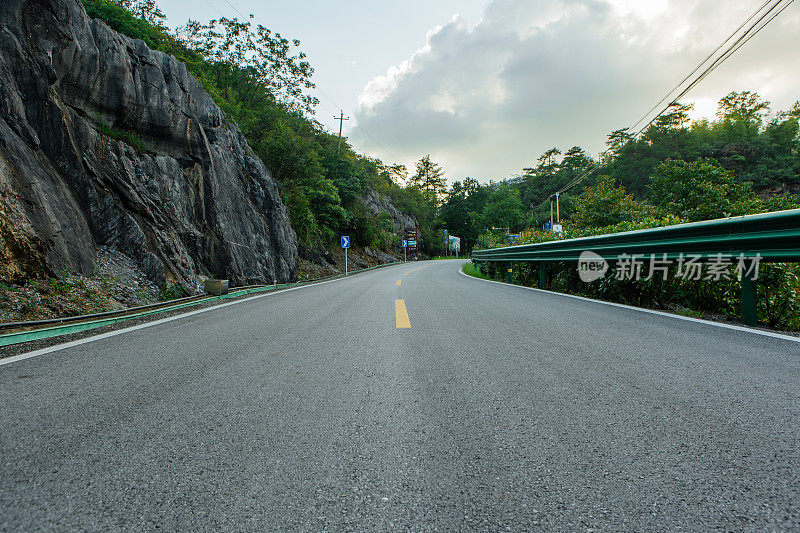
172 291
127 137
685 311
471 270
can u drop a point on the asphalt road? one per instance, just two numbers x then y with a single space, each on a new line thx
315 409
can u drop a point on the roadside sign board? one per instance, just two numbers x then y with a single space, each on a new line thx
411 237
453 242
345 241
557 228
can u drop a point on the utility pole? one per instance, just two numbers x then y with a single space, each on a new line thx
558 212
341 118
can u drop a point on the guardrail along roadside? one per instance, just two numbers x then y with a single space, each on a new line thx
768 237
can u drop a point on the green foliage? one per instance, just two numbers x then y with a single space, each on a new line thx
260 80
685 311
461 211
472 269
679 191
28 306
146 24
172 291
119 18
779 295
429 178
606 204
127 137
741 140
503 209
65 295
250 64
370 230
700 190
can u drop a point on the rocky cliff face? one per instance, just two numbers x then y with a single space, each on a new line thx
380 203
185 196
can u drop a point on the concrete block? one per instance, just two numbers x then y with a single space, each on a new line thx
216 286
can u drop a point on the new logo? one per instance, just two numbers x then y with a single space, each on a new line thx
591 266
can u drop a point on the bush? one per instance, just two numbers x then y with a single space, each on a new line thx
128 137
172 291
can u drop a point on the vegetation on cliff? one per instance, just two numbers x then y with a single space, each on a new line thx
259 79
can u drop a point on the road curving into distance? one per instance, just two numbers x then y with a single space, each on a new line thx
406 397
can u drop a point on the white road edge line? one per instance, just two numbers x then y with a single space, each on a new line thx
644 310
64 346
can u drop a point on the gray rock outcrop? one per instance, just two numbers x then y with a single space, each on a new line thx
104 142
380 203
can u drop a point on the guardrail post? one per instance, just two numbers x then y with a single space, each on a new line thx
749 301
543 275
510 276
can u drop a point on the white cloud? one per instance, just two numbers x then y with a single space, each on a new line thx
486 101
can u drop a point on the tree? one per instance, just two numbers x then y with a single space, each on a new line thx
254 62
742 114
546 164
396 174
675 116
616 140
429 177
504 209
576 158
462 211
606 204
700 190
146 10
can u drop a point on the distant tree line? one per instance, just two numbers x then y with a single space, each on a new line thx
746 160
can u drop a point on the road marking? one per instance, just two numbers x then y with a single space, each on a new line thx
651 311
401 315
420 268
398 283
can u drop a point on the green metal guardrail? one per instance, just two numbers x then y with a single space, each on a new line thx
65 329
774 237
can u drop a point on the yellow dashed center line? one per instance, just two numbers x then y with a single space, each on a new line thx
398 283
401 315
420 268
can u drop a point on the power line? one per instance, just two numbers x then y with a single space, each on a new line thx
359 126
741 42
376 141
234 8
214 8
748 34
326 96
708 57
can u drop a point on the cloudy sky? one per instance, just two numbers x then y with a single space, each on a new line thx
485 86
